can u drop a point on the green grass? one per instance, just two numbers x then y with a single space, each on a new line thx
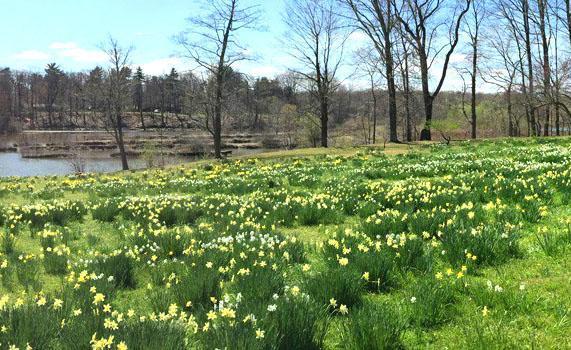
200 254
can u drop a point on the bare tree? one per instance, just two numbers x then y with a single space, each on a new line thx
501 68
316 38
405 64
375 18
568 18
542 7
559 74
512 12
524 6
212 45
422 21
473 28
118 92
368 62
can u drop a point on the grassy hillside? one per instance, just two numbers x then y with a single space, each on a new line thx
422 246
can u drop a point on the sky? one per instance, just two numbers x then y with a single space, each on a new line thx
71 33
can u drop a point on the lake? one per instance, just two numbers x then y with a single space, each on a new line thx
100 160
12 164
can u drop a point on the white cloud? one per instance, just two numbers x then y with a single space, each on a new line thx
163 66
357 37
284 60
73 52
457 58
83 55
262 71
62 46
32 55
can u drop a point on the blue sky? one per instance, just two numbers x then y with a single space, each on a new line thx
70 33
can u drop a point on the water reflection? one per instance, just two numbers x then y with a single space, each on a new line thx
12 164
42 149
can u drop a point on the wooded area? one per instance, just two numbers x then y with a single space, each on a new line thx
520 50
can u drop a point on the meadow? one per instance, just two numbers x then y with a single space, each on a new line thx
439 247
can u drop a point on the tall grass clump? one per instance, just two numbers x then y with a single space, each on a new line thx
431 301
299 323
342 284
118 268
375 326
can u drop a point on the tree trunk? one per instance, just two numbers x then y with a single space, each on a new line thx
218 117
374 112
220 77
389 65
425 134
511 132
557 120
529 54
546 66
142 118
568 10
473 97
406 88
324 120
121 142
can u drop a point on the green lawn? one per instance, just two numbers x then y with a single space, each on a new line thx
403 246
